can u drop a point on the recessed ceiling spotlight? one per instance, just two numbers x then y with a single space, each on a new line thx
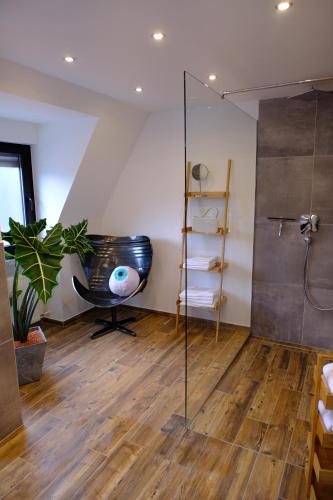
283 6
69 59
158 36
138 90
212 77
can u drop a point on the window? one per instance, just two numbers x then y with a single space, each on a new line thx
16 186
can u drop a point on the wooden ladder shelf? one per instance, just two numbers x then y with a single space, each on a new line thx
221 232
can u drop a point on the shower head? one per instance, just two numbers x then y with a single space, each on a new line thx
309 223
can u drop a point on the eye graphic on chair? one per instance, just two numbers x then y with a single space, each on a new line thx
124 280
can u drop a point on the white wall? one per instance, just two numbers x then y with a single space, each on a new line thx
103 160
130 181
18 131
56 159
148 199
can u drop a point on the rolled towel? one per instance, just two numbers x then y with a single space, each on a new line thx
327 416
328 374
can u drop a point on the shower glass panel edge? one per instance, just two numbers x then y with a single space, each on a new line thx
215 130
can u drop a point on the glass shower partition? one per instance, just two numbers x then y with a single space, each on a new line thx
220 139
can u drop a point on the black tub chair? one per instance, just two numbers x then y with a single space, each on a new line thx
111 252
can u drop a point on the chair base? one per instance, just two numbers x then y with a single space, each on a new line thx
113 325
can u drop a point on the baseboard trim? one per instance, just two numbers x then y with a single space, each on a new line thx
173 315
52 321
141 310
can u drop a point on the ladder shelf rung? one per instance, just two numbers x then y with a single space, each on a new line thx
206 194
220 231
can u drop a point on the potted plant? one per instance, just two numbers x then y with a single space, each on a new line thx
39 259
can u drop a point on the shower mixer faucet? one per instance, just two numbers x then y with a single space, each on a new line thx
308 223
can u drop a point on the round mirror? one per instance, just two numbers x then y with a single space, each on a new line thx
200 172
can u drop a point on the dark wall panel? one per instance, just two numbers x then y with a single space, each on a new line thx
294 176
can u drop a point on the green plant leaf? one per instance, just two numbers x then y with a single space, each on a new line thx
34 230
76 241
18 293
40 261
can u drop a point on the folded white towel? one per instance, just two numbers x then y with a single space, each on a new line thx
193 303
327 416
199 303
199 293
200 297
201 258
203 263
199 268
328 374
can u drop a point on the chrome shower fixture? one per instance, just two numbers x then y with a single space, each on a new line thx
281 220
309 223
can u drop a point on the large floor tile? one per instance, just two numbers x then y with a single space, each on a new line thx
324 125
318 325
284 186
320 258
322 200
286 127
278 259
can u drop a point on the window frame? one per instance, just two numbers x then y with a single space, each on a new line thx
23 152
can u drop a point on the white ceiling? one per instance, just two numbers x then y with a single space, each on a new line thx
245 42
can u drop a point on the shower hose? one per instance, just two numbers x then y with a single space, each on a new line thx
305 281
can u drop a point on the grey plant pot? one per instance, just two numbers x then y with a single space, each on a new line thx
29 360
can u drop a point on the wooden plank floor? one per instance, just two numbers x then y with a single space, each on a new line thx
106 420
262 408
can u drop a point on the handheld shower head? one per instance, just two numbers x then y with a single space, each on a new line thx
309 223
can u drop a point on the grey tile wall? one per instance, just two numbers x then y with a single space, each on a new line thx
283 186
278 310
294 176
287 127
